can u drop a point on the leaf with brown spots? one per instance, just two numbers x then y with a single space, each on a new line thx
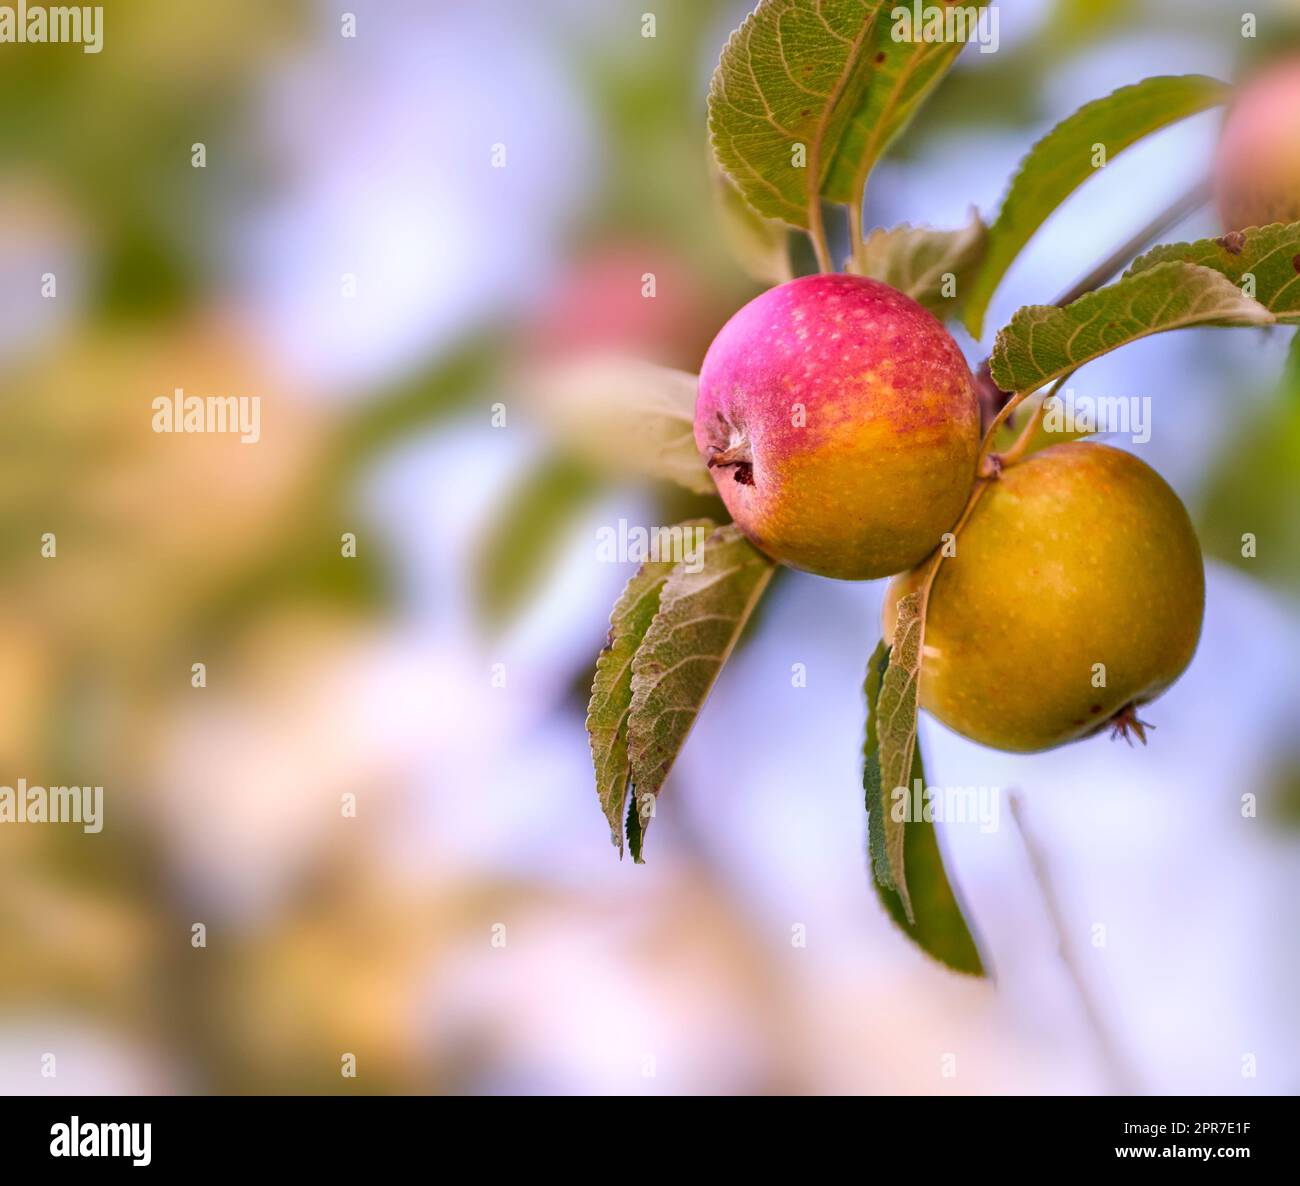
903 74
701 617
827 74
791 74
1268 254
1045 342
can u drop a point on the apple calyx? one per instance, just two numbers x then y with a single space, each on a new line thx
1127 724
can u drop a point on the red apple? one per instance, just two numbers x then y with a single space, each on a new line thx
841 424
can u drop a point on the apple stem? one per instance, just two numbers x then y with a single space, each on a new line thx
1022 442
817 233
858 243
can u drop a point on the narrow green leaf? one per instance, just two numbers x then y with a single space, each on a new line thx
625 417
611 690
877 800
903 71
1065 158
939 927
634 833
759 245
423 398
1253 486
781 97
919 260
1263 261
701 617
896 733
1289 381
527 531
1044 342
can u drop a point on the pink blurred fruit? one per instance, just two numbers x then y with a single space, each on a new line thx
1257 174
841 424
599 306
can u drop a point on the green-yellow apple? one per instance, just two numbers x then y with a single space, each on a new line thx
841 424
1074 597
1257 173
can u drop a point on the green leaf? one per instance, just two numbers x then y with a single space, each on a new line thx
877 800
635 835
825 74
916 260
1289 381
896 709
701 617
520 545
427 396
611 690
902 73
1063 160
1044 342
625 417
760 245
1271 255
790 76
1254 486
938 925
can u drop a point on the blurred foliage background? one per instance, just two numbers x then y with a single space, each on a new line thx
470 929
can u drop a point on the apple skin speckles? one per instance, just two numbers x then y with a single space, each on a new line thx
856 414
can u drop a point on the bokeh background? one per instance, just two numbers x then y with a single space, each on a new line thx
471 929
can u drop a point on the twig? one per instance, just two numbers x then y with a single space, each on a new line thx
992 397
1171 216
1124 1079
